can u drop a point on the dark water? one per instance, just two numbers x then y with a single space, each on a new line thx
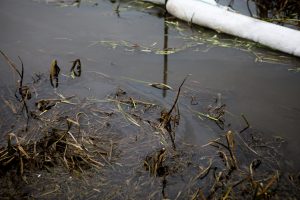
268 93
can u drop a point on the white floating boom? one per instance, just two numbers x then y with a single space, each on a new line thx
208 14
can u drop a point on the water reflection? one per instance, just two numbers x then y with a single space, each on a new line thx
165 76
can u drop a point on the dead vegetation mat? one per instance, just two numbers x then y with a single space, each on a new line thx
125 146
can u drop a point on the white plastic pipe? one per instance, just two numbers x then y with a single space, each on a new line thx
221 19
160 2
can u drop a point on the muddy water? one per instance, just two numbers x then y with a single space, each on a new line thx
267 93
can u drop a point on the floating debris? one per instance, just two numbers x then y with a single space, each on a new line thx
296 69
199 40
161 86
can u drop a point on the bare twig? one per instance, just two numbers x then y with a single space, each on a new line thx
247 123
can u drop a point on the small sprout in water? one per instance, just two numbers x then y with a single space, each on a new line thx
76 68
154 163
54 72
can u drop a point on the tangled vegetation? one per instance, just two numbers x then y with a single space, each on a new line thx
126 146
